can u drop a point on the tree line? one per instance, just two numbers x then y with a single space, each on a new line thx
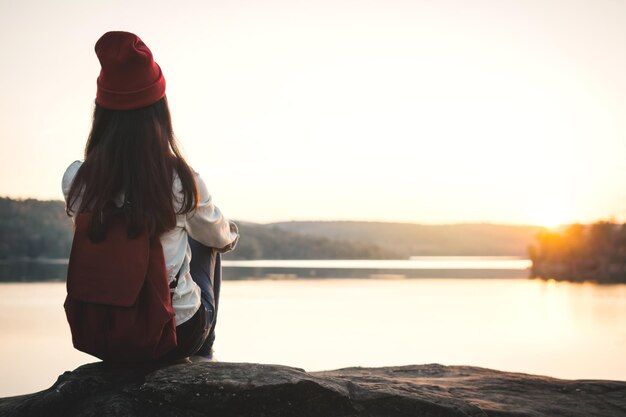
35 229
577 252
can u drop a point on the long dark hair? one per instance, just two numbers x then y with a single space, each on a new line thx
135 152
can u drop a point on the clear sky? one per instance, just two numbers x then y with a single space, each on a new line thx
423 111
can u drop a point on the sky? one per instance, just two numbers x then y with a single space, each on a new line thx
431 112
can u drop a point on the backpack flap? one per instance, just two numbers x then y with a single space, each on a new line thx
110 272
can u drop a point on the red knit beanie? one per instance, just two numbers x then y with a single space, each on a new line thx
129 79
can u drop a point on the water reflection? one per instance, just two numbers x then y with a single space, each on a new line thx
32 271
560 329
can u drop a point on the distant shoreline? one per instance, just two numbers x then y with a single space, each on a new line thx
42 229
52 261
505 267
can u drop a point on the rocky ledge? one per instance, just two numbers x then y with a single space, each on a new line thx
249 389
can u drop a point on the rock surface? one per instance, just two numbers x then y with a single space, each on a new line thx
248 389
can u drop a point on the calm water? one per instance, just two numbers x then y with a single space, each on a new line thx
543 327
416 267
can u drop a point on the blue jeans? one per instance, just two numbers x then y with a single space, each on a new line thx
206 271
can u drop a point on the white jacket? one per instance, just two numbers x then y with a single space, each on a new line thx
206 224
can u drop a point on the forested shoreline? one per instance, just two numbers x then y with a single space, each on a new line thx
578 252
35 229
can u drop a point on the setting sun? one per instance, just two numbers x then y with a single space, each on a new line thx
551 218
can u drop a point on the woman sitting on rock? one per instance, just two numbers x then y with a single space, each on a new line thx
132 166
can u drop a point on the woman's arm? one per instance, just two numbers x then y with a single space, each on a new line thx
208 225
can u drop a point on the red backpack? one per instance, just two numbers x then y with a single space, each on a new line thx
118 302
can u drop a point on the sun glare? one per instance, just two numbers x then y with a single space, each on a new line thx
552 223
551 217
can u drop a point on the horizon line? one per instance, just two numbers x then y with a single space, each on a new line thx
614 219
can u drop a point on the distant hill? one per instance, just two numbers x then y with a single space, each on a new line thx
260 241
410 239
40 229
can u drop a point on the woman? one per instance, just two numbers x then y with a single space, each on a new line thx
132 160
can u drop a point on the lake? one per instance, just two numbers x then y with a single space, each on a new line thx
511 323
416 267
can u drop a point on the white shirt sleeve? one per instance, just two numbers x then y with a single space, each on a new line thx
207 224
68 177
